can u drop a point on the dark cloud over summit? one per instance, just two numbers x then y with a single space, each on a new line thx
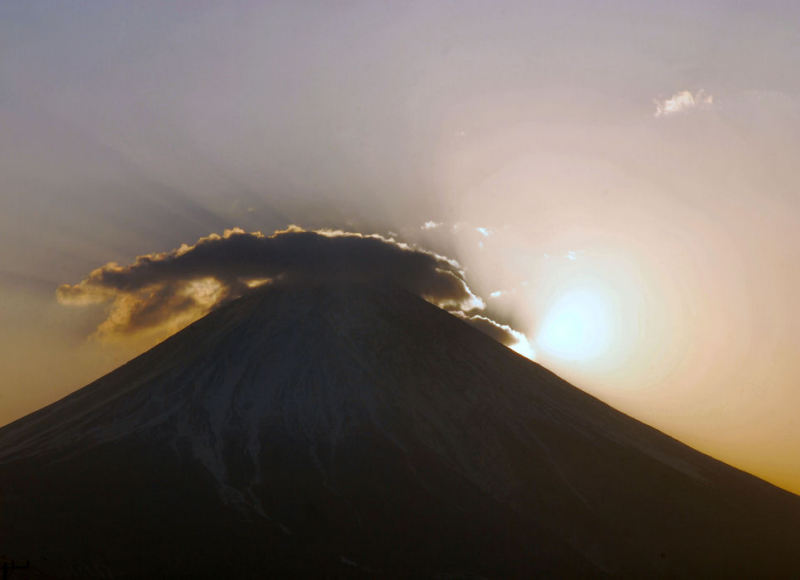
167 290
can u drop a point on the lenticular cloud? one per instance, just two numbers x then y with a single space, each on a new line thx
167 290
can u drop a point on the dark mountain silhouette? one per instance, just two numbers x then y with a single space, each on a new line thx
356 430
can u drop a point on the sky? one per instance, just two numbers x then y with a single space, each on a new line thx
617 181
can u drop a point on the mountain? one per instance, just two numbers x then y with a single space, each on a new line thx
354 430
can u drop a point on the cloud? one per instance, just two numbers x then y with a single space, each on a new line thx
167 290
431 225
681 102
502 333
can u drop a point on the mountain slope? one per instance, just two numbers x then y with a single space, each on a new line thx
359 430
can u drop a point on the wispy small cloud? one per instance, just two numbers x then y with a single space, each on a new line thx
485 232
682 101
504 293
431 225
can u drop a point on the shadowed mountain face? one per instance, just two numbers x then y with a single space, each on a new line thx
360 431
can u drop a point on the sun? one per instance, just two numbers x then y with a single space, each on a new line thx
578 326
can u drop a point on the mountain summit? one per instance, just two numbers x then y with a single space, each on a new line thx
356 430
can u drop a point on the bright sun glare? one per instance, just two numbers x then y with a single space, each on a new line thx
577 327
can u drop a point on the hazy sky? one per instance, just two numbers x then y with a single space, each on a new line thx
618 179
